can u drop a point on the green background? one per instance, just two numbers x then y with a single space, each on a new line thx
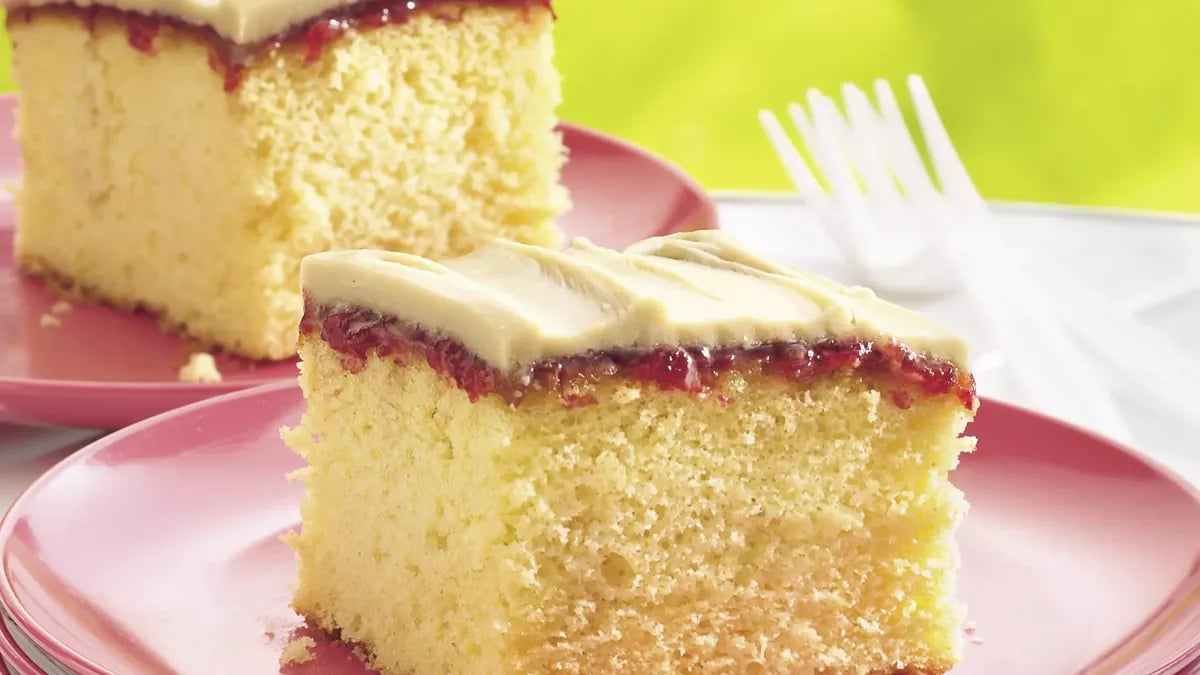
1071 101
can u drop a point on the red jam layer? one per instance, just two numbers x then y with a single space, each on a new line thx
355 333
230 60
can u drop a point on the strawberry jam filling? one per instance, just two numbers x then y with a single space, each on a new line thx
356 333
230 60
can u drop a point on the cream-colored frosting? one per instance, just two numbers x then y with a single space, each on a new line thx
513 304
240 21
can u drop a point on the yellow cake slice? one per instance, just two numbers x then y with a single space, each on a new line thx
182 156
680 458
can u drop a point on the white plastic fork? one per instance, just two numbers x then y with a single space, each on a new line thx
1157 366
904 235
882 233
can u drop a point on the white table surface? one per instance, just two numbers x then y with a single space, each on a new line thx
1148 263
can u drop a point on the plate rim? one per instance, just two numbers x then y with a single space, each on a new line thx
13 659
70 658
1125 215
65 655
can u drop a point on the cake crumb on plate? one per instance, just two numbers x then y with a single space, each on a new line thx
51 321
60 307
298 651
201 367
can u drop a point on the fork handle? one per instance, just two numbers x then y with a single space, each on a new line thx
1058 379
1157 366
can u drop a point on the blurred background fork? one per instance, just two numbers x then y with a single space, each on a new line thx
1156 366
904 235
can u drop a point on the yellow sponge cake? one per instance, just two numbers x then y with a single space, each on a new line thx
182 156
676 458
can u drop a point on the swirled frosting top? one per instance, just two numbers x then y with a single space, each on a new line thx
246 22
513 304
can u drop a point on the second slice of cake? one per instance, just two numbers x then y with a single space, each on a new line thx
181 156
679 458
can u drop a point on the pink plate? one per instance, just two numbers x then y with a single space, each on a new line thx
13 658
101 368
156 549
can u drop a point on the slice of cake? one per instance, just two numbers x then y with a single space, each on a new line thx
181 156
680 458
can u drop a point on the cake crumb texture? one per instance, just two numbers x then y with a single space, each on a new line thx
201 367
297 651
781 530
148 186
49 320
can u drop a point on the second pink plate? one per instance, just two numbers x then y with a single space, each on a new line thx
14 659
95 367
156 550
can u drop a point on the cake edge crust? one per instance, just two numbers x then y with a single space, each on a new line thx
68 288
366 655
